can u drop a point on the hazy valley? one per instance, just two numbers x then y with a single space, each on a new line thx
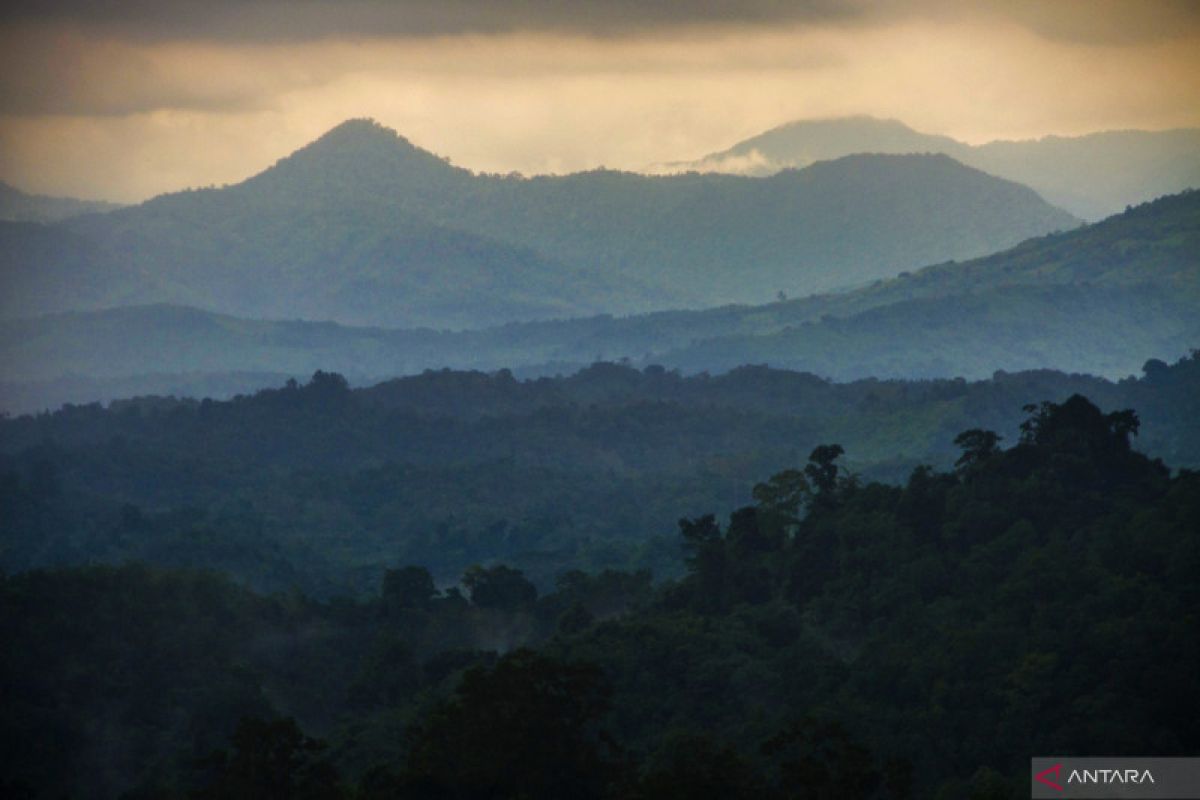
1070 301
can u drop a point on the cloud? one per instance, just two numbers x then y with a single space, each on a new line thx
553 104
275 20
113 57
123 100
1111 21
64 72
48 72
1100 22
751 163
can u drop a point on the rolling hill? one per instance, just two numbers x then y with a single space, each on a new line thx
363 228
1099 299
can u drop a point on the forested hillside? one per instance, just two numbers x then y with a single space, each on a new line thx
836 637
1098 299
319 487
1093 299
362 227
18 206
1104 331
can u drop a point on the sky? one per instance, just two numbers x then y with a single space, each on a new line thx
125 99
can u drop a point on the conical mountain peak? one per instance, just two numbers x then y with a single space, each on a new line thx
361 131
365 139
360 156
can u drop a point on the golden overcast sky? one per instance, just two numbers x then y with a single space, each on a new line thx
124 99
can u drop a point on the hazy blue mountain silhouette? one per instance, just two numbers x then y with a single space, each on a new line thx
363 227
1092 176
19 206
1098 299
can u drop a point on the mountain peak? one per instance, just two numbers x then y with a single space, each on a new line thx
359 155
807 140
365 137
360 130
801 142
848 121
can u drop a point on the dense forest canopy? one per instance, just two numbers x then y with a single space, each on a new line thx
318 486
836 637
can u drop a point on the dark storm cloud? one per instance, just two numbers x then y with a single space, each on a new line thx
1091 21
49 74
280 20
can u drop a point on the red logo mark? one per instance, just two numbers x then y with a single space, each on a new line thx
1043 777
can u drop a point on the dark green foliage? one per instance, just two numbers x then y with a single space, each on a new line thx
271 760
322 488
822 472
995 610
783 495
691 765
575 619
977 446
605 594
106 672
524 728
819 761
389 676
838 638
499 587
409 587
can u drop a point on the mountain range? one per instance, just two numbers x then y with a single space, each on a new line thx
1092 176
1101 299
361 227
